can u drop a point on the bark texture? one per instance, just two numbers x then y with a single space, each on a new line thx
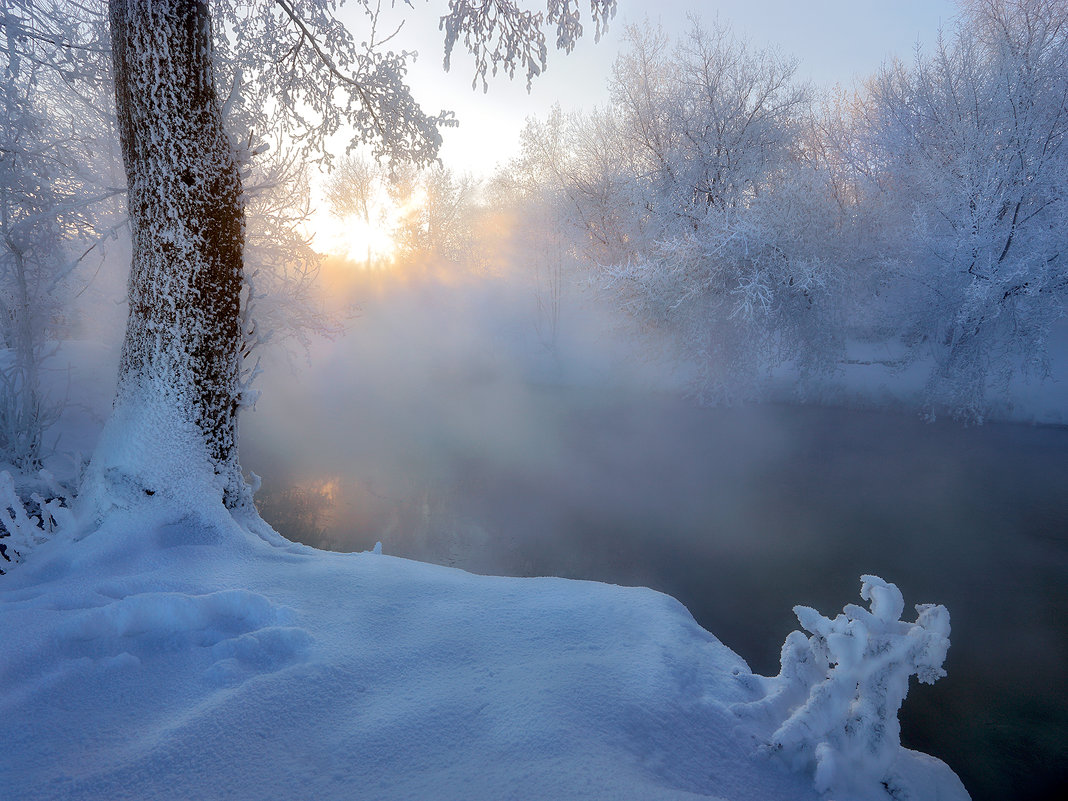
187 216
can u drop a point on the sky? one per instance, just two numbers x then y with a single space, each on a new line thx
836 41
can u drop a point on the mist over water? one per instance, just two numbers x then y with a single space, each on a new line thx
447 425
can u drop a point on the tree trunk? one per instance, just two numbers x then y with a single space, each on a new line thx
187 217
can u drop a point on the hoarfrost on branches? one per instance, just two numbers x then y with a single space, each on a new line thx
56 204
839 689
502 36
694 196
26 523
292 67
758 225
967 147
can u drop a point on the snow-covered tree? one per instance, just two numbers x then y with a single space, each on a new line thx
437 213
715 122
355 189
56 203
700 204
182 69
183 336
968 145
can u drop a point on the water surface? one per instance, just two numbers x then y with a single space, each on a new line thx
740 513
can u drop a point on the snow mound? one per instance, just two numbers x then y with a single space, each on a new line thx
178 656
237 626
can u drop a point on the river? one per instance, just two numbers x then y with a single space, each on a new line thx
740 513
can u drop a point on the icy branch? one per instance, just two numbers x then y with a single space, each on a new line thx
21 530
502 35
839 689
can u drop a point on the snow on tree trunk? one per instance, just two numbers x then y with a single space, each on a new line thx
187 216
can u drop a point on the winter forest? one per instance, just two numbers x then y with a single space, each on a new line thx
336 465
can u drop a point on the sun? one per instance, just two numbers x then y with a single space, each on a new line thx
369 230
363 242
369 244
363 233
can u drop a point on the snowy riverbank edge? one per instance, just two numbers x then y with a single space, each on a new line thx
177 655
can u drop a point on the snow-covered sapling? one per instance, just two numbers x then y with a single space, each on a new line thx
839 690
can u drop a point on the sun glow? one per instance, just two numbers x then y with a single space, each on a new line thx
371 240
362 232
369 244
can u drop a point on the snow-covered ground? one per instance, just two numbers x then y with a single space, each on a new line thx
177 654
161 649
881 375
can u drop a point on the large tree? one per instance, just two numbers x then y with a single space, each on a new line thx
187 219
287 64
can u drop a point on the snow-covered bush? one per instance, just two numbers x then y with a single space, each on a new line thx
839 689
24 524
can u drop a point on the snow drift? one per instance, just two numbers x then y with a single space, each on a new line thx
177 655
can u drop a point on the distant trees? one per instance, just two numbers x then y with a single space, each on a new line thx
437 211
56 203
30 260
694 193
281 302
430 213
969 145
354 189
759 225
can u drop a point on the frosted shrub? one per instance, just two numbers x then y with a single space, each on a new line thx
22 530
839 690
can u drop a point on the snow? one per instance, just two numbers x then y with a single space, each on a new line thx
883 374
158 647
840 689
170 651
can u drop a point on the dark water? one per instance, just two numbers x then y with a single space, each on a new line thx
743 513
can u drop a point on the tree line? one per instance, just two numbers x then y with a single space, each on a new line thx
760 222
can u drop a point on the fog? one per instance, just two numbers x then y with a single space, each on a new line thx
445 425
434 381
522 400
514 418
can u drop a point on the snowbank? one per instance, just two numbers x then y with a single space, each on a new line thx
167 657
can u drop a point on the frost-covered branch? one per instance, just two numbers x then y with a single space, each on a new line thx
22 529
295 69
502 35
833 707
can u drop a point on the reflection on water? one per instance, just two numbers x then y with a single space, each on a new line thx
742 513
